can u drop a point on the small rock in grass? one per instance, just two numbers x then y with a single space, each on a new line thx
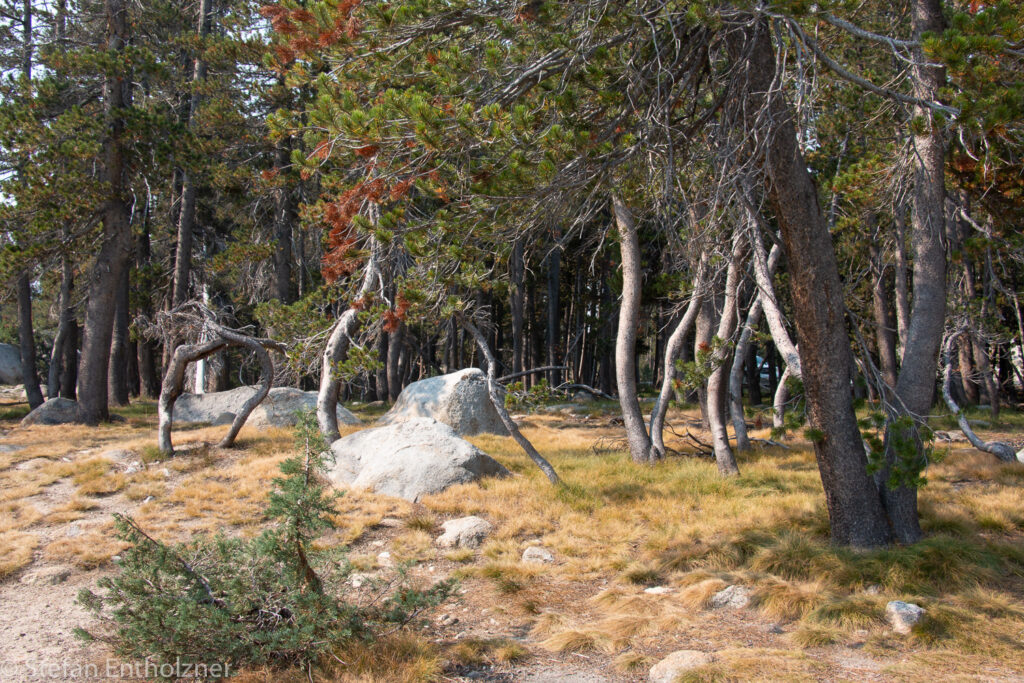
658 590
732 597
676 664
447 620
46 576
390 522
358 580
73 530
903 615
384 559
538 555
466 532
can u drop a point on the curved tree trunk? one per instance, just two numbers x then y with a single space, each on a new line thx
718 382
1001 450
499 403
766 292
337 350
673 348
174 381
742 356
640 446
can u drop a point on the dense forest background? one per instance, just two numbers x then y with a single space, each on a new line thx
776 210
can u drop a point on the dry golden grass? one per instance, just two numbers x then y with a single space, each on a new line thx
614 528
16 550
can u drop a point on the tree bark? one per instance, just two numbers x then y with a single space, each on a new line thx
115 249
885 332
915 386
640 446
66 320
742 358
187 214
336 351
27 342
396 343
1001 450
718 382
673 348
766 293
497 400
553 337
856 516
516 276
118 373
284 217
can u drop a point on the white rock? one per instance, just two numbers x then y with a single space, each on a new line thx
658 590
466 532
903 615
676 664
384 559
56 411
538 555
46 576
409 459
390 522
459 400
358 580
10 364
732 597
73 530
278 409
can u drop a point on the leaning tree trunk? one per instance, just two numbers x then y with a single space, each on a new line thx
498 401
27 340
856 516
718 382
640 446
673 349
742 356
766 291
174 381
336 351
1001 450
915 387
113 255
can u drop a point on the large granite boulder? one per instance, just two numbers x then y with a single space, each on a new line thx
409 459
56 411
278 409
459 400
10 364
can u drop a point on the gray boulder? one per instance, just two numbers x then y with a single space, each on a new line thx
672 668
459 400
10 364
536 554
278 409
731 597
409 459
903 616
56 411
465 532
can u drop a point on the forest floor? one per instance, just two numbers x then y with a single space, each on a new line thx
616 530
